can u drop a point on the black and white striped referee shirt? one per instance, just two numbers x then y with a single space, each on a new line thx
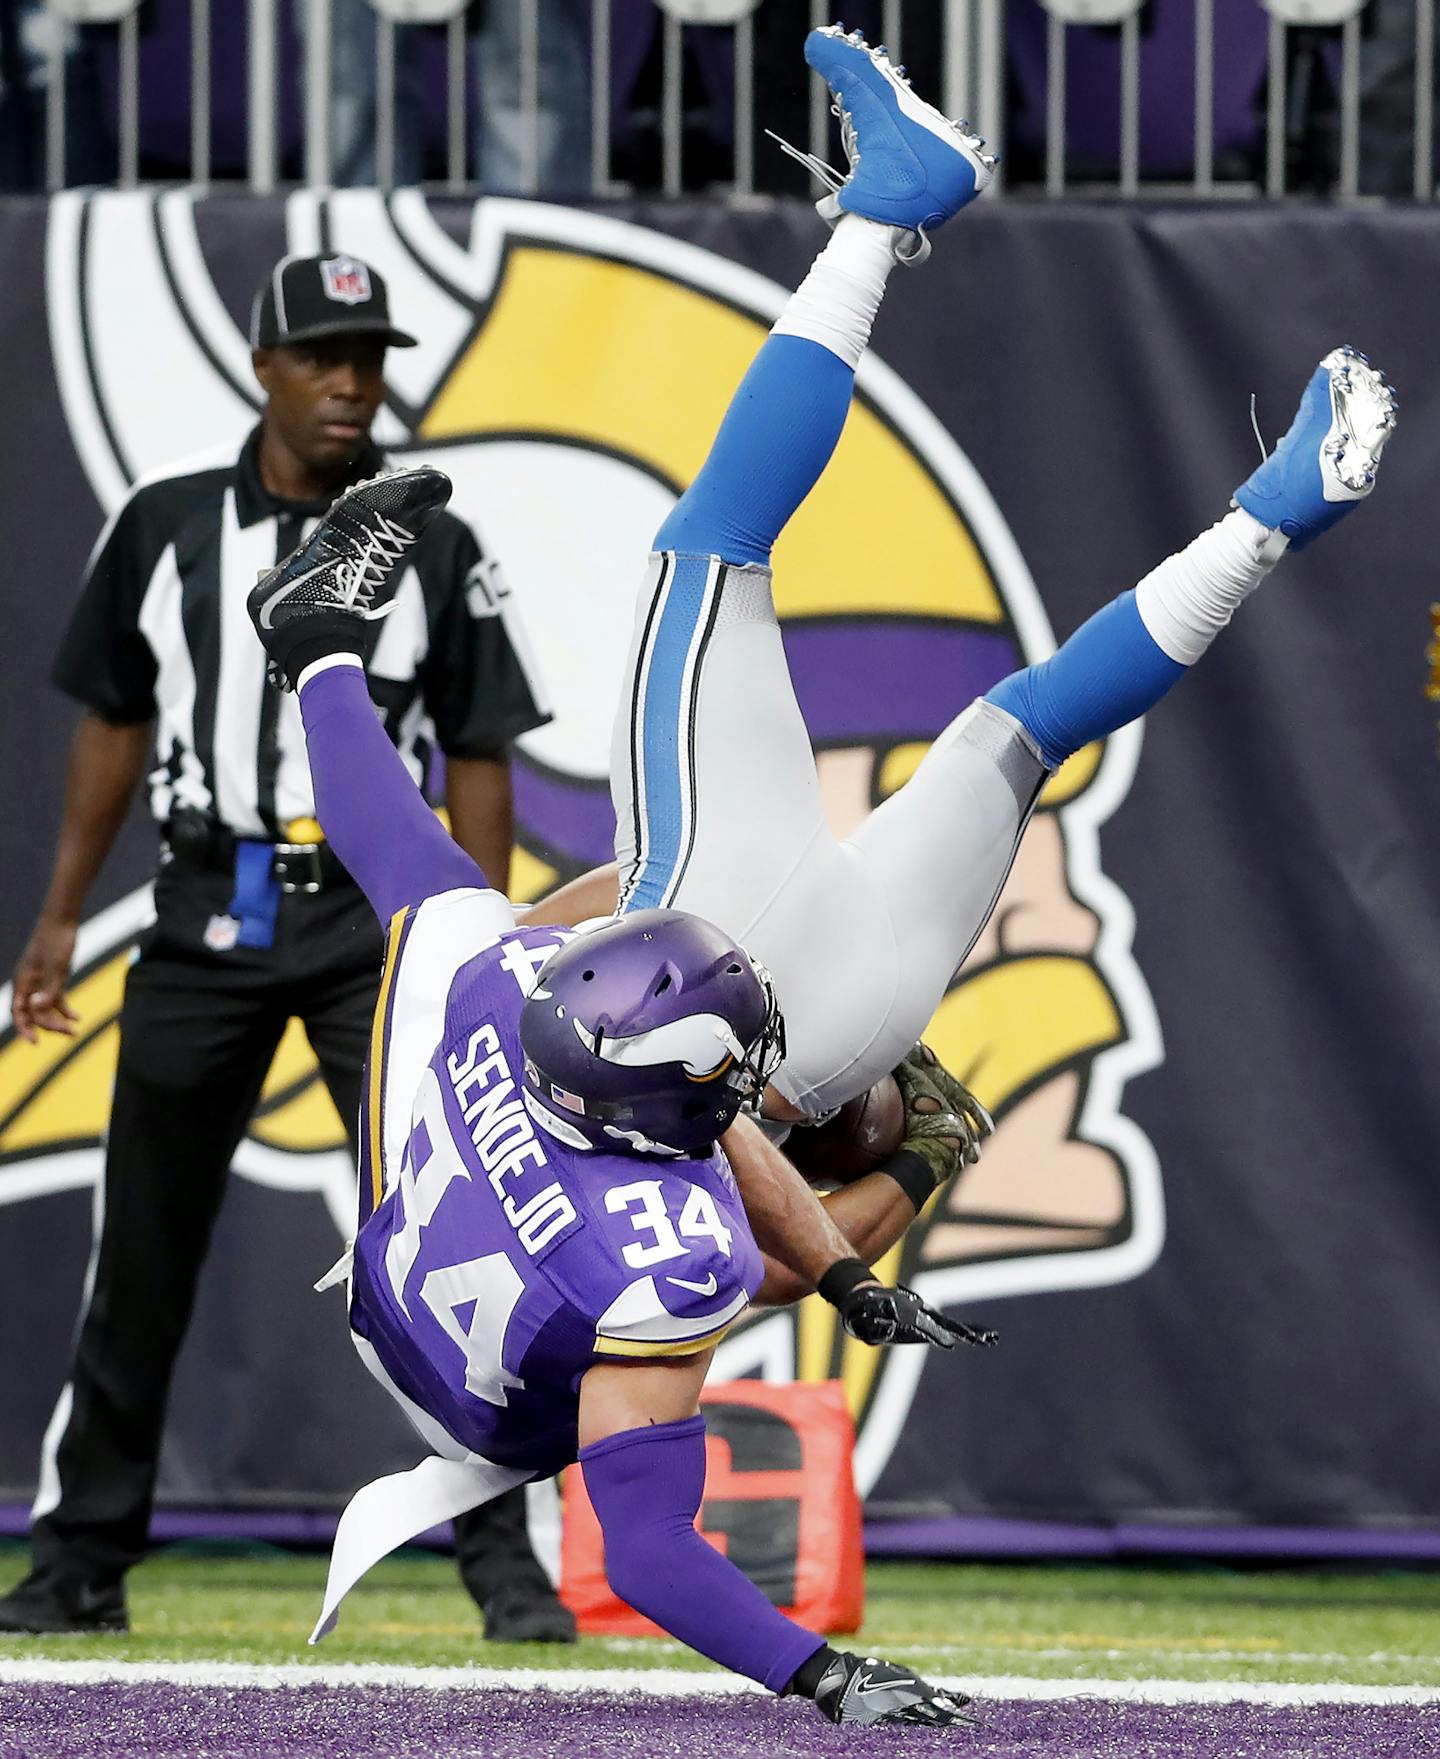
161 631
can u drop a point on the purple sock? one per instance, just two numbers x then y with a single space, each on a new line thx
646 1486
374 816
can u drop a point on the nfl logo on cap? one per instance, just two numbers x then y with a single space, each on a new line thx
345 280
304 298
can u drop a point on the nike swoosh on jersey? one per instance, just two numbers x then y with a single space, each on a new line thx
708 1287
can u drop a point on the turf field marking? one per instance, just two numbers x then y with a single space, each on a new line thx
673 1683
1270 1654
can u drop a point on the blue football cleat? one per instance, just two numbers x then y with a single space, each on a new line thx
910 167
1328 460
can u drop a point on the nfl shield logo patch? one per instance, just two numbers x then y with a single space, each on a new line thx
345 280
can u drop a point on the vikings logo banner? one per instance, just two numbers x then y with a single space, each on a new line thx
571 371
1057 392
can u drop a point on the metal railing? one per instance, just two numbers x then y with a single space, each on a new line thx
971 50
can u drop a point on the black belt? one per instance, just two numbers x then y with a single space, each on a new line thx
208 846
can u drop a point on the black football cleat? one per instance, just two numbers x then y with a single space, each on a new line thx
46 1604
858 1688
332 590
522 1614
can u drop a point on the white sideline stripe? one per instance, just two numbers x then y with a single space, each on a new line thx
1091 1653
675 1683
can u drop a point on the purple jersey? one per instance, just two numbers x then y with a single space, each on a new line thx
501 1263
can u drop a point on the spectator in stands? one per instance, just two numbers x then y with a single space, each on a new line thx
27 30
498 120
1387 100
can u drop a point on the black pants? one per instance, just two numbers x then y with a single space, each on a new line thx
198 1033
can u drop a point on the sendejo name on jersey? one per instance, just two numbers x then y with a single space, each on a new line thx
505 1140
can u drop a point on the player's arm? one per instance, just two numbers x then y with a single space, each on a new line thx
106 763
797 1233
807 1249
479 686
592 894
480 807
870 1214
106 664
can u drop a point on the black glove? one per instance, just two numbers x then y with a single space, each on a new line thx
856 1688
877 1315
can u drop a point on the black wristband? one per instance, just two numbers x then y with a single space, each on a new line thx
842 1278
913 1174
805 1681
348 639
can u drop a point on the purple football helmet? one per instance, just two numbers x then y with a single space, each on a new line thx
648 1035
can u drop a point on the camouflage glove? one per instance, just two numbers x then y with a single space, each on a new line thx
937 1140
957 1098
944 1127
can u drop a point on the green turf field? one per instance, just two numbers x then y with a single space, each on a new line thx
219 1604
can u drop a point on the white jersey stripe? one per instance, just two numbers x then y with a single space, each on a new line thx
248 551
160 624
445 932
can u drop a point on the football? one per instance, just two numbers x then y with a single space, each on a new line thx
861 1136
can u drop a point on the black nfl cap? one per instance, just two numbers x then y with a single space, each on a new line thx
306 297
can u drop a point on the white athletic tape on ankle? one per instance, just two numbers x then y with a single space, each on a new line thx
836 303
1190 597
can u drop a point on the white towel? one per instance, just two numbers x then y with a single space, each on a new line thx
398 1508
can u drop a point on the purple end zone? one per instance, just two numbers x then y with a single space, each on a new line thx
161 1721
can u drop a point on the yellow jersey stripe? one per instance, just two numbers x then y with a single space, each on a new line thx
376 1091
647 1347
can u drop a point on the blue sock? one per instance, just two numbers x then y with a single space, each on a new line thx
1108 673
777 436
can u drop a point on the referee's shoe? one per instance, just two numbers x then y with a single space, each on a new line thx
49 1603
329 591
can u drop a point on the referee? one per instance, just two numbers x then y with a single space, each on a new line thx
256 921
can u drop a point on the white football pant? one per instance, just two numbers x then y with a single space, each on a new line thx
718 812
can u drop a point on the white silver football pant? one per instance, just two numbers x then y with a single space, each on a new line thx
718 812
